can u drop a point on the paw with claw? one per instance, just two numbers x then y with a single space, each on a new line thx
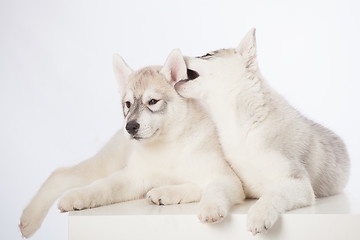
210 212
76 200
261 218
163 196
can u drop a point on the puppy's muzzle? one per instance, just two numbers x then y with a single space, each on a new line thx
132 127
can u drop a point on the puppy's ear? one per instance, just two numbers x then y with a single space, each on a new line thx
247 46
174 68
121 70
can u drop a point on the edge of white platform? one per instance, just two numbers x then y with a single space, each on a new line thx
336 217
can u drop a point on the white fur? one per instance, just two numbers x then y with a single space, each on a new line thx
281 157
176 159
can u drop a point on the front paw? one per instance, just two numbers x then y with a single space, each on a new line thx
163 196
261 218
211 212
75 200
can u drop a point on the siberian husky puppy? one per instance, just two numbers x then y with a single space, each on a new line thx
282 158
168 152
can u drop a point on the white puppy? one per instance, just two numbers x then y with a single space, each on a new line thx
282 158
169 150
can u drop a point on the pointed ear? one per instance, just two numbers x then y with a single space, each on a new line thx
247 46
121 70
174 68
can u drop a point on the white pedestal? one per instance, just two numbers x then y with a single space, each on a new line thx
336 217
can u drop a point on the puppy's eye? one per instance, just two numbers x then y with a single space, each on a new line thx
153 101
128 104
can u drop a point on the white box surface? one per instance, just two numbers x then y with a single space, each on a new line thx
336 217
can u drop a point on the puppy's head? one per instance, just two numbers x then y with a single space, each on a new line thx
219 72
149 100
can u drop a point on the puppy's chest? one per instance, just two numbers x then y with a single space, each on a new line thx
258 167
257 173
163 162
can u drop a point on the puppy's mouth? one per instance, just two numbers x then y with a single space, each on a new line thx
136 137
192 74
139 138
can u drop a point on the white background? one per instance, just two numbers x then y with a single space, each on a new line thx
58 97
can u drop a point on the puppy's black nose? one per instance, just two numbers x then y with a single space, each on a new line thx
132 127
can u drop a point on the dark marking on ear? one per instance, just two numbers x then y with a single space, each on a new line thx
192 74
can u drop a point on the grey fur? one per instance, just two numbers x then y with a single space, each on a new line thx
282 158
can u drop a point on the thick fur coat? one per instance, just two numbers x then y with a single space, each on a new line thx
168 152
282 158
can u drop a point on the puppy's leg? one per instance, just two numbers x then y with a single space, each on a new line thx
289 194
120 186
219 196
108 160
176 194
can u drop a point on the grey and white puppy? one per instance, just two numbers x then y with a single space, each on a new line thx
282 158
